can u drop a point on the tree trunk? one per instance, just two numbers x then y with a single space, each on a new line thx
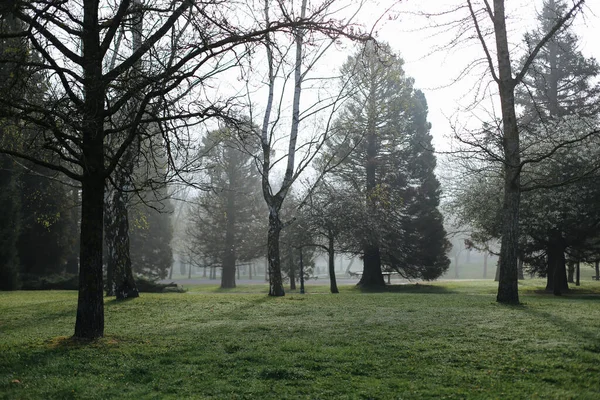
557 271
508 290
331 251
598 270
521 269
275 281
73 261
89 323
571 272
120 281
372 278
577 273
550 265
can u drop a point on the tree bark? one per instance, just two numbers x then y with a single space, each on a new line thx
331 252
120 280
597 270
73 261
372 276
508 290
571 272
275 281
550 265
89 323
557 271
521 269
577 273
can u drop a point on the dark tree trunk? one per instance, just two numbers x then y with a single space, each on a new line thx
560 277
557 271
73 260
120 281
521 269
372 277
89 323
597 270
571 272
550 265
275 281
577 273
485 264
508 289
331 251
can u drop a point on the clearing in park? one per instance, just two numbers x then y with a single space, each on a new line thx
444 340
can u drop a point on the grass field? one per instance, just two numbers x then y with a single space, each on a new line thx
445 340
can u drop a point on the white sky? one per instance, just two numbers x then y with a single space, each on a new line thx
434 72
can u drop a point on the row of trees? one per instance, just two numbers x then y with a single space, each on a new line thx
117 90
376 195
123 104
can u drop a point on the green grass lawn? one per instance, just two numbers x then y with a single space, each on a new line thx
446 340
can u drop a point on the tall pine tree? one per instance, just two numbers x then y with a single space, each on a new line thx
225 224
383 147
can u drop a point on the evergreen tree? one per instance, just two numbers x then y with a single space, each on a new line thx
383 147
43 242
12 51
225 224
560 80
9 222
151 233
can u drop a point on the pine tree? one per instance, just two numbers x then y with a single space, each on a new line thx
561 80
561 85
225 222
383 145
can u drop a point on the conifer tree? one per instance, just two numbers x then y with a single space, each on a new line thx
384 149
225 224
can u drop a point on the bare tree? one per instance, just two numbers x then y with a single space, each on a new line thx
188 44
486 21
302 65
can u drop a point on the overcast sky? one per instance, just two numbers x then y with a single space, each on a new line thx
434 72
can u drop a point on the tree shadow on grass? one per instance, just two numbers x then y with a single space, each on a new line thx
572 294
572 327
